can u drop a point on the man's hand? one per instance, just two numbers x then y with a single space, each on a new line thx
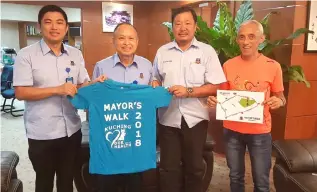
178 91
155 83
212 101
273 102
101 79
67 89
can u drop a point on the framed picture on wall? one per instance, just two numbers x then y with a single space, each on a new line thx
114 14
311 38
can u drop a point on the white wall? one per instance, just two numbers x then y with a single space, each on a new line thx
19 12
10 35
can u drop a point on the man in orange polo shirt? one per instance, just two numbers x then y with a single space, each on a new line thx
251 71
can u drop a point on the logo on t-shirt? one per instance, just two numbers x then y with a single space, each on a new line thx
117 139
117 133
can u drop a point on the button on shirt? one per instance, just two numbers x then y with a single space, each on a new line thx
139 72
37 66
194 67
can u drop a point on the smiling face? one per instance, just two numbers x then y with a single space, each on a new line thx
53 27
184 27
249 38
126 40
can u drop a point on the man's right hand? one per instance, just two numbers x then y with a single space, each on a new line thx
155 83
67 89
212 101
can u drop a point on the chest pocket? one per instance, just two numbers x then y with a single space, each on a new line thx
143 77
196 73
44 74
167 68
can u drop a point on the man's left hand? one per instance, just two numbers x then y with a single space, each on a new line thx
273 102
178 91
101 79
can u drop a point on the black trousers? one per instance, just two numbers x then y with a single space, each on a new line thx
125 182
56 156
182 145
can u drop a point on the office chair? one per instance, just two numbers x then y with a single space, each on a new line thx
7 91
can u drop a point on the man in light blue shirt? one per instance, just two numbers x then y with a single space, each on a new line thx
44 74
192 71
124 67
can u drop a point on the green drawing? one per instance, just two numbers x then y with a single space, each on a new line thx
246 102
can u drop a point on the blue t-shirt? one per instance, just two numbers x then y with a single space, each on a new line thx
122 121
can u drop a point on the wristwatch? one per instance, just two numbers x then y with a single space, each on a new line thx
189 90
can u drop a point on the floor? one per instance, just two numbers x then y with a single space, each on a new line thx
13 138
220 180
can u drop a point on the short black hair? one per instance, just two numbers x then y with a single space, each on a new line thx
51 8
124 23
185 9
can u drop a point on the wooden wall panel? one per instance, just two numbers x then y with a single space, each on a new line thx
283 19
308 61
302 101
160 12
303 127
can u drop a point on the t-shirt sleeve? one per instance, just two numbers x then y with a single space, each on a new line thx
161 97
80 100
277 84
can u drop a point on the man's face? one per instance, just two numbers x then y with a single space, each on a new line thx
53 27
249 38
126 40
184 27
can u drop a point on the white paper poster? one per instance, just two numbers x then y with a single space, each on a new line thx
242 106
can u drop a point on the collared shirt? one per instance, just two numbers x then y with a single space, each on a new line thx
37 66
194 67
139 72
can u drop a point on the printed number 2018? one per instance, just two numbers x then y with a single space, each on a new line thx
138 125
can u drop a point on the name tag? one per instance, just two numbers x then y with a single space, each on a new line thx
70 80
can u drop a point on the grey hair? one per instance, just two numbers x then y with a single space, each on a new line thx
258 24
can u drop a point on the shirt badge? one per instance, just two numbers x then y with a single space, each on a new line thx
72 63
141 75
197 60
